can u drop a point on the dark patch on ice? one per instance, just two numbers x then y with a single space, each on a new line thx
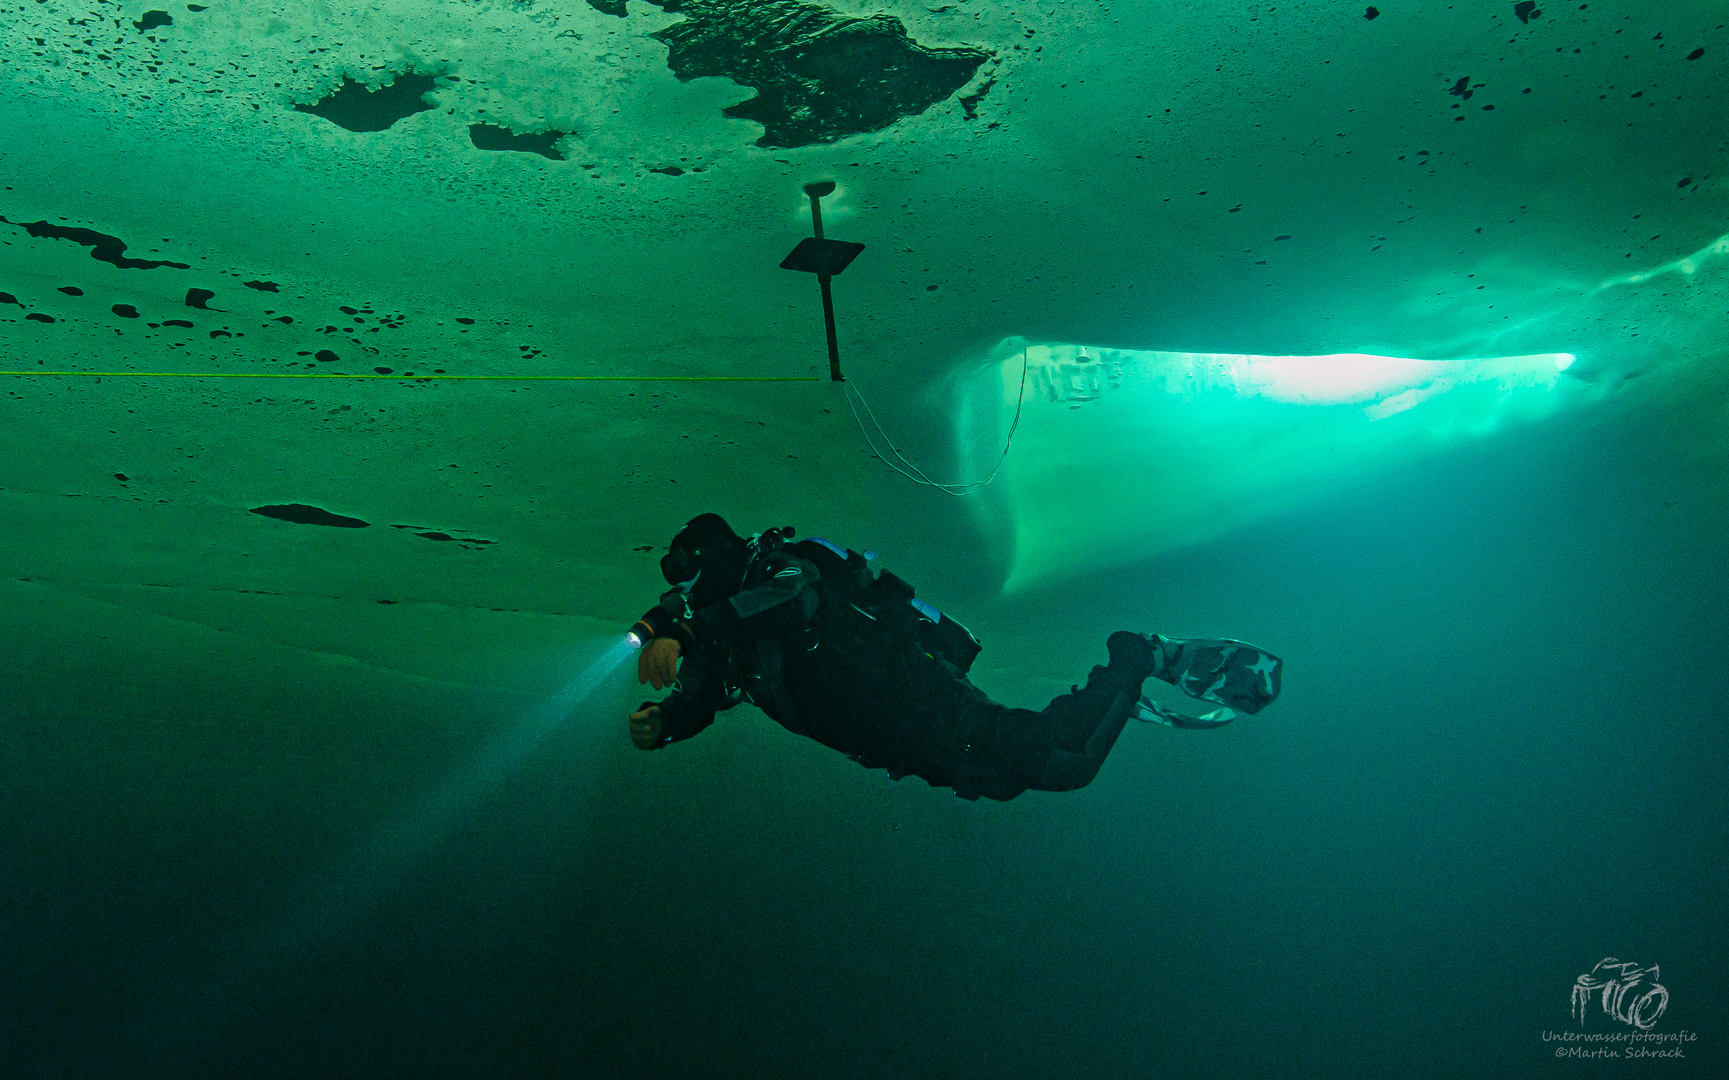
120 476
214 334
1696 54
283 319
819 76
152 19
434 534
108 249
71 290
8 298
669 170
384 370
196 7
616 7
441 537
37 316
1526 10
1462 88
302 514
465 322
493 137
643 547
177 322
199 298
356 108
325 356
1372 13
125 311
261 286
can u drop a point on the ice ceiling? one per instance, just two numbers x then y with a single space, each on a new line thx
595 188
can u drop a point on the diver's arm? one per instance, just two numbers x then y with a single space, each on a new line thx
683 723
680 718
652 727
786 599
666 619
691 706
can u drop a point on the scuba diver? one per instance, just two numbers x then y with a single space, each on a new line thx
830 649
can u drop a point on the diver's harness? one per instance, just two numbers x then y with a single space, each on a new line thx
866 614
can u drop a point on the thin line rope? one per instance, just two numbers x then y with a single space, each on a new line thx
910 471
419 378
916 475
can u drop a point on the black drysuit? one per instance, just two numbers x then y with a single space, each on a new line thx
855 670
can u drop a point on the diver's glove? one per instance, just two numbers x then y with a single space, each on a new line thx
657 663
647 730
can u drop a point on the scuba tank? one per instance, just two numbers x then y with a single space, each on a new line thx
887 601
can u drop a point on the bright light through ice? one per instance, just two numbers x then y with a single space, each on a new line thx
1339 379
1121 454
1321 380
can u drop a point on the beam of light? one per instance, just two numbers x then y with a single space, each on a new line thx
411 834
1122 454
182 1028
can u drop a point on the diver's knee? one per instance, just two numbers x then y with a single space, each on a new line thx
1068 771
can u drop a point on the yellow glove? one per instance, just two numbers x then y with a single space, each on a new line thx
645 728
658 663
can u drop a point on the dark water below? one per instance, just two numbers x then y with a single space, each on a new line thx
1500 759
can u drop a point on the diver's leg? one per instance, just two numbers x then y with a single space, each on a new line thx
1087 721
1061 747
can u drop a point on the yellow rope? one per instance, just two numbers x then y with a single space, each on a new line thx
426 377
420 378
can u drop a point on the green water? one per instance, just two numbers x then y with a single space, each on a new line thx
298 799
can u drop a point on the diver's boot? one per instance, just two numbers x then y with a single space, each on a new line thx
1133 657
